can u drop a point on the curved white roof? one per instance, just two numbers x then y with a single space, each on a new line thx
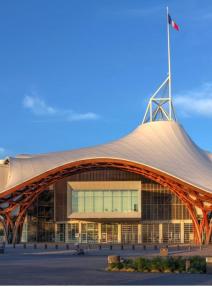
161 145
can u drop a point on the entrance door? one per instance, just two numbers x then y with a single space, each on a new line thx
171 233
89 233
109 233
129 233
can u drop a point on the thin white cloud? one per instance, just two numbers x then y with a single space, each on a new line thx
39 107
195 102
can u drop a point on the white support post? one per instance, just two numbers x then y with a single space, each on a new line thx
80 233
139 233
161 107
99 232
119 234
160 233
169 65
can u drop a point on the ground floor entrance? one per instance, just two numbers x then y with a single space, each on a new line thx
124 233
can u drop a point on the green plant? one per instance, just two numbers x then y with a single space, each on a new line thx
161 264
142 264
156 264
167 264
179 264
198 264
118 265
128 263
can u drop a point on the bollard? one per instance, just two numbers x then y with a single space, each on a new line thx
122 247
133 247
100 247
156 247
164 251
67 246
111 247
189 248
56 246
144 247
35 246
13 245
45 246
178 247
187 265
24 246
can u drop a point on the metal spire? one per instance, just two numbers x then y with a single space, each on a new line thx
160 106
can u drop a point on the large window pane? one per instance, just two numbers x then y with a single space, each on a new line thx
74 202
81 207
117 201
126 201
88 204
134 200
98 201
108 201
105 201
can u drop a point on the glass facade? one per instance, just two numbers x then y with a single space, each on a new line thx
150 233
163 217
159 204
73 232
129 233
109 233
61 233
171 233
39 225
104 200
89 233
124 233
188 232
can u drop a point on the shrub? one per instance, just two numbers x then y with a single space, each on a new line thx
179 264
128 263
142 264
116 266
119 265
167 264
156 264
161 264
198 264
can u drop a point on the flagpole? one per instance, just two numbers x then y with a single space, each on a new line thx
169 64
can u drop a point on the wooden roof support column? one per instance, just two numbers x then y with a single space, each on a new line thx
21 216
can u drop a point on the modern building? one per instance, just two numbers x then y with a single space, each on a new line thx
152 186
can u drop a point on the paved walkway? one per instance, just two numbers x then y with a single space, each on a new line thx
52 266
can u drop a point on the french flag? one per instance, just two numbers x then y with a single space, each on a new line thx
172 23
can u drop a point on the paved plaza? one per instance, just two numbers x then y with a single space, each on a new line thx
51 266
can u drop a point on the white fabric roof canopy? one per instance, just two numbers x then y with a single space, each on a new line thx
161 145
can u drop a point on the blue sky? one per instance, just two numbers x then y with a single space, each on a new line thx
79 73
